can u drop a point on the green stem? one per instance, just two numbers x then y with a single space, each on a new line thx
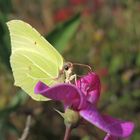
67 132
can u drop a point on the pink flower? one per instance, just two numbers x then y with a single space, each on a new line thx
83 98
63 14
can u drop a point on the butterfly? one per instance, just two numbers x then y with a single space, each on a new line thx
34 59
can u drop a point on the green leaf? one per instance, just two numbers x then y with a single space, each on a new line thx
19 99
5 124
116 64
62 34
5 6
4 42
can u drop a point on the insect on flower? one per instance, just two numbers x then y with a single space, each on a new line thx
34 59
83 98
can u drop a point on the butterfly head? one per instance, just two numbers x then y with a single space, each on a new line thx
67 68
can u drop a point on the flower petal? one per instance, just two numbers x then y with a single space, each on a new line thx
110 137
126 126
108 124
69 94
40 87
90 86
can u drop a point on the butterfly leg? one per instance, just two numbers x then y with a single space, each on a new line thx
73 77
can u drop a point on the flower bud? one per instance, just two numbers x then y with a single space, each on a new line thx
71 117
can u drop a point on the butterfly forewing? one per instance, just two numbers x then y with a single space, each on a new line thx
33 58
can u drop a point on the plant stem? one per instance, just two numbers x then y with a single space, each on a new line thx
26 129
67 132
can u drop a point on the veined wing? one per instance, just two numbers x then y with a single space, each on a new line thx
33 58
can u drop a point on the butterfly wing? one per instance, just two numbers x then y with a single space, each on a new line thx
33 58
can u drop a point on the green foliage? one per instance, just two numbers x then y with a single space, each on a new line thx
5 6
63 32
6 126
4 42
116 63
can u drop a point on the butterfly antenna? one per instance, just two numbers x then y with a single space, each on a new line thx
83 65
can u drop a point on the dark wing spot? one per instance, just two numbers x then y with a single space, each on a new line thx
29 67
35 42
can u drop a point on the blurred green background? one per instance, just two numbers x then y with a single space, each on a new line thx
102 33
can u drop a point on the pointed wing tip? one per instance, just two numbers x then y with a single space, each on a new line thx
14 21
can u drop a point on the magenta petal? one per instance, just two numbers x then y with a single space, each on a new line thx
107 124
110 137
69 94
40 86
90 86
126 126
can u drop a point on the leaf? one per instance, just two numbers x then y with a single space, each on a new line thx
19 99
5 6
116 64
5 124
62 34
4 42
